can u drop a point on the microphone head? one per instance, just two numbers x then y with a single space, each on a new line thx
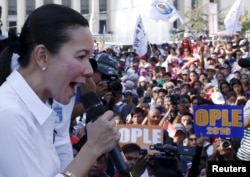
89 99
244 62
93 106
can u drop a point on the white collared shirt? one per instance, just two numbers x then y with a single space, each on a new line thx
24 149
62 138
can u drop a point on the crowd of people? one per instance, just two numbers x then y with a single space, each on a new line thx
163 86
46 69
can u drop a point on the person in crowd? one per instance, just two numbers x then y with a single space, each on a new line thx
237 75
136 116
136 163
230 98
197 85
99 167
185 75
185 89
224 87
245 83
193 75
211 71
54 56
226 70
219 76
244 48
222 152
186 118
235 65
185 44
128 99
144 104
236 86
153 117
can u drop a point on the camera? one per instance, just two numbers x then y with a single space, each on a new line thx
171 151
226 144
107 65
174 100
166 159
143 152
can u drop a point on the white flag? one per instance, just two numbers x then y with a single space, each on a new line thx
232 21
140 42
164 10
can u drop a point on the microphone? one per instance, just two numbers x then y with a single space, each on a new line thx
94 108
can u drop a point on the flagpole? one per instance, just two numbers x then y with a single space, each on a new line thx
103 37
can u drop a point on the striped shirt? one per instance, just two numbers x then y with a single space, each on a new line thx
244 150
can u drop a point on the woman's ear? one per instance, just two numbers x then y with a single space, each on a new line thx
40 53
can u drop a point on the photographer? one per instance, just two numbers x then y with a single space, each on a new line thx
223 150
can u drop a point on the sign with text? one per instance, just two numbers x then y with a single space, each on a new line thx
143 135
219 121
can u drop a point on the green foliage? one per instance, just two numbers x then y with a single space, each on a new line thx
197 19
245 23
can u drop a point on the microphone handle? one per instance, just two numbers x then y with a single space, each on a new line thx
118 160
95 110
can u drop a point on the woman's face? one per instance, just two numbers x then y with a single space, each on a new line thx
225 88
244 79
193 77
237 88
69 66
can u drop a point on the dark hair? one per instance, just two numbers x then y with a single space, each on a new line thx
197 81
230 94
236 82
130 148
187 114
167 74
49 25
223 82
136 110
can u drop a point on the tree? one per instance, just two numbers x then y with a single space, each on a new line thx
197 19
245 21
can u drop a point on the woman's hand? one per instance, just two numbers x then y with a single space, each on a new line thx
102 134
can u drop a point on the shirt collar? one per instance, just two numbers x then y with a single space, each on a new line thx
38 108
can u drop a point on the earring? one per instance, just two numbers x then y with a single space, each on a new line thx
44 68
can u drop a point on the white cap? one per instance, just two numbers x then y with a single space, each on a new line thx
217 98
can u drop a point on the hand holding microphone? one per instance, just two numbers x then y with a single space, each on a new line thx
102 131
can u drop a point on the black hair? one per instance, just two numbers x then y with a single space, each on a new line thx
137 110
230 94
223 82
167 74
235 81
49 25
130 148
187 114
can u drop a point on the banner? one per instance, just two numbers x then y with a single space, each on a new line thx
219 121
232 21
143 135
164 10
140 42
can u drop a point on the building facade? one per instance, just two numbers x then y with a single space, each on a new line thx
117 16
